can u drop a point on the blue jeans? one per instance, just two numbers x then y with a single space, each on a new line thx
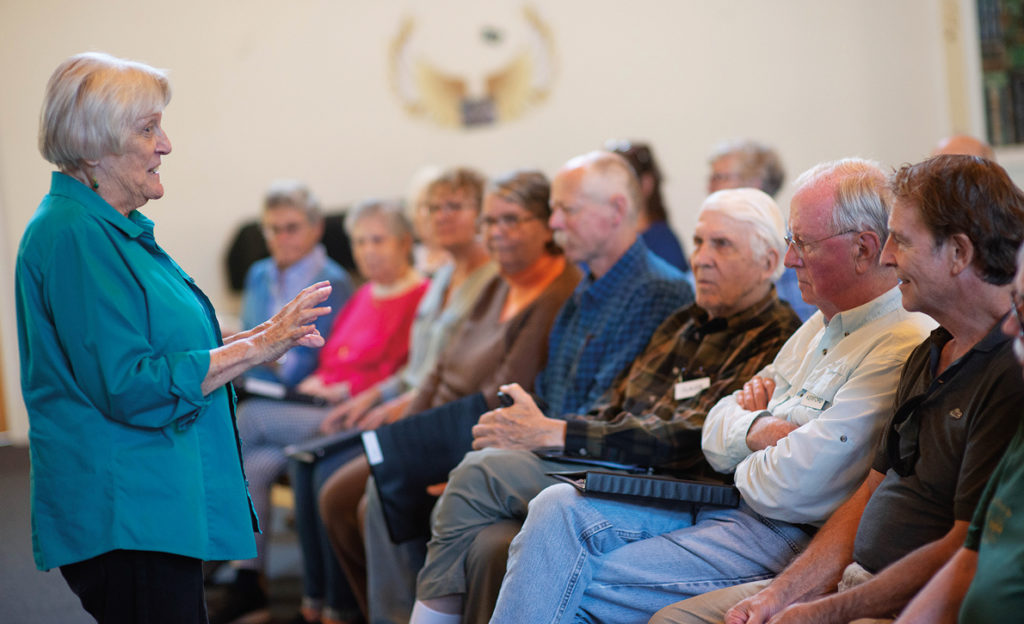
588 559
322 576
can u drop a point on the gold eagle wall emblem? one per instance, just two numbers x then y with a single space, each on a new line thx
474 66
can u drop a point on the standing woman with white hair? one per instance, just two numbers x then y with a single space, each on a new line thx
136 471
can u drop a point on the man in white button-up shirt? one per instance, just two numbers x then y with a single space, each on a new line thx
798 437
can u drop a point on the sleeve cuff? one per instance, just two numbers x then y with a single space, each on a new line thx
736 441
188 370
391 388
579 442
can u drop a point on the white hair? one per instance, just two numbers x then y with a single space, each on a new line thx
91 100
862 196
753 206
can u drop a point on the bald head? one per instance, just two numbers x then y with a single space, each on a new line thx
606 175
965 145
594 202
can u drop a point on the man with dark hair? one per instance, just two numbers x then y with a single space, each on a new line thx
954 229
982 582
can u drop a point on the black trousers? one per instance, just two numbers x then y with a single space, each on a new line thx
139 587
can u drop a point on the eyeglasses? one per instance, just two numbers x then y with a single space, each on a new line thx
1018 307
448 206
505 221
288 229
801 246
724 176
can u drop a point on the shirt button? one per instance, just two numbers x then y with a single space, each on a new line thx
583 452
824 351
842 438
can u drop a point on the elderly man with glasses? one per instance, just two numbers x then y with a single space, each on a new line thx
953 230
798 437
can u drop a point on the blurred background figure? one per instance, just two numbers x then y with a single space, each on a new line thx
966 145
652 220
292 227
427 255
740 163
744 163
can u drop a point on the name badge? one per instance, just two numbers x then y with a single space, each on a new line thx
691 388
813 402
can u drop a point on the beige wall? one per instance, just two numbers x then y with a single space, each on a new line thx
268 89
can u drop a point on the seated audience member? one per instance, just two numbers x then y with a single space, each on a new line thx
453 203
368 342
954 227
797 438
965 145
503 338
735 328
292 227
745 163
652 221
982 582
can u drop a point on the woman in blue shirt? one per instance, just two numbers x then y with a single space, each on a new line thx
136 473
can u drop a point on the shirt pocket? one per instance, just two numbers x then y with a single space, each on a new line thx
817 394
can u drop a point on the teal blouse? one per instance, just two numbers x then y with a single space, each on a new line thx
126 451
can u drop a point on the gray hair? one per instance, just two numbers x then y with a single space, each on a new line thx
292 194
90 103
390 211
757 160
757 208
863 199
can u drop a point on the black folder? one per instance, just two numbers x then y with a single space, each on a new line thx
410 454
659 489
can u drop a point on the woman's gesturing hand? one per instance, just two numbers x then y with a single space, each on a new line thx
293 324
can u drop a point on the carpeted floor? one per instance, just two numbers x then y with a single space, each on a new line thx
28 596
